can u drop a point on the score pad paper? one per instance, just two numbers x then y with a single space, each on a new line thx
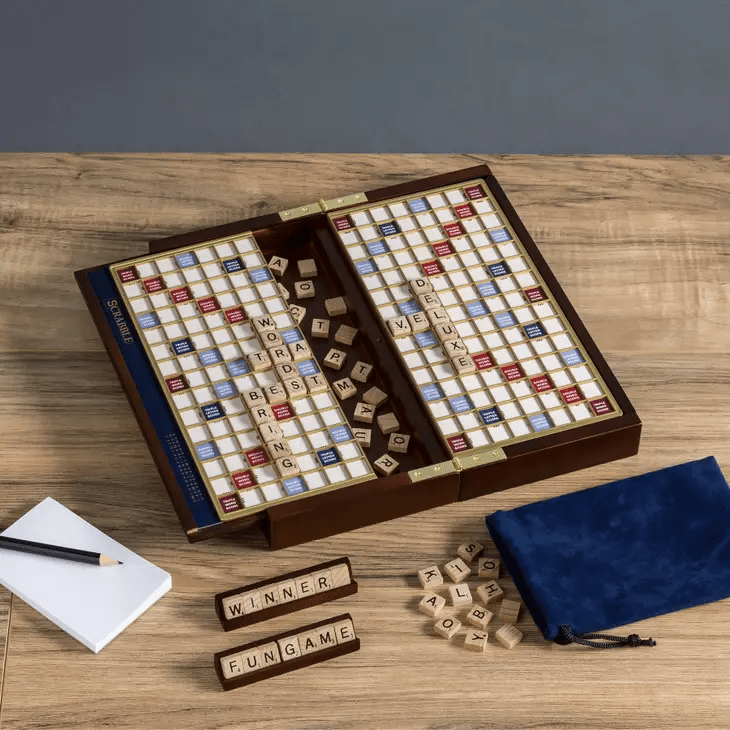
92 604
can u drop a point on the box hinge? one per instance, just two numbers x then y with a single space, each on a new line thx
432 471
342 202
479 458
300 212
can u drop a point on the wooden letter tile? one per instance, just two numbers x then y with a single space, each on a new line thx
475 640
300 351
251 601
420 286
278 265
335 359
269 596
252 660
259 361
464 365
270 654
304 289
509 611
375 397
335 306
344 631
488 568
386 465
275 393
309 642
469 551
431 604
326 637
289 648
430 577
233 607
287 591
231 666
284 292
305 586
361 372
362 436
287 467
295 387
320 328
315 383
479 617
460 595
446 332
508 636
298 313
307 268
489 591
419 322
344 388
364 413
322 580
398 443
447 627
399 326
346 335
457 570
340 575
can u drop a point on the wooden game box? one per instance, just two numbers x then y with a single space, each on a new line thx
485 368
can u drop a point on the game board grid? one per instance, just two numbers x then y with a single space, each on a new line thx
199 347
540 379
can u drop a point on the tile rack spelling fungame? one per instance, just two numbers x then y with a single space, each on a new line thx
488 377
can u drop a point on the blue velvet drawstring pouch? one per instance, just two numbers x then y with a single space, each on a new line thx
621 552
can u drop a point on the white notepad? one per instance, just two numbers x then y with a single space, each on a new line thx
91 603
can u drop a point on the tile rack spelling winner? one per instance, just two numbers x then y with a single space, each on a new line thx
355 360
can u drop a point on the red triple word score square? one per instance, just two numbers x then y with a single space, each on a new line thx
535 295
443 249
474 192
180 295
342 224
153 285
483 361
209 304
431 268
512 372
243 479
457 443
282 411
453 229
229 503
601 406
256 457
126 275
464 210
176 384
235 315
541 383
570 395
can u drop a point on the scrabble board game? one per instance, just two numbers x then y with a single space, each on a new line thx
354 360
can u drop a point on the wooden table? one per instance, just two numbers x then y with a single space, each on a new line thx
641 246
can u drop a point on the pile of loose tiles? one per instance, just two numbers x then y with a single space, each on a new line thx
460 596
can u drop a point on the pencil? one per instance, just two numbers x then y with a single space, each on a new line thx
55 551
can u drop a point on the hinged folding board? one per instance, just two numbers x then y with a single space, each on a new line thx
481 359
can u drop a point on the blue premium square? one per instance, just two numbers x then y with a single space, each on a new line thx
389 229
238 367
235 264
328 456
490 416
426 339
366 267
182 347
307 367
212 411
534 330
210 357
540 422
225 389
432 391
460 404
184 260
500 235
504 319
148 319
487 289
498 269
340 434
207 451
292 335
572 357
259 275
419 205
409 307
476 309
378 248
294 485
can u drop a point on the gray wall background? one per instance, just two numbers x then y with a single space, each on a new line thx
509 76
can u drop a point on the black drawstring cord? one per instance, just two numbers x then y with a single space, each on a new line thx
608 641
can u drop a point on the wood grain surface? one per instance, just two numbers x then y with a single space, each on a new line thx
642 248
